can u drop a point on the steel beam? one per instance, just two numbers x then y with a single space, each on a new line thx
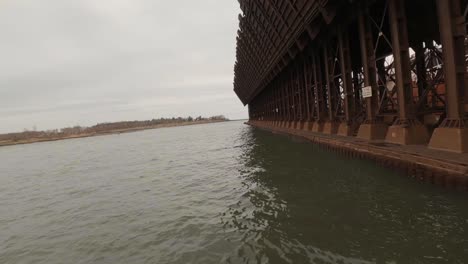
452 135
371 129
331 126
407 129
318 88
346 128
420 58
401 57
308 92
369 66
330 85
292 99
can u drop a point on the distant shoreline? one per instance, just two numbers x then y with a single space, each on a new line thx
110 132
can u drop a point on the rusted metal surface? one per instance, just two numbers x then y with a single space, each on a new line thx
401 55
394 70
346 75
453 37
368 65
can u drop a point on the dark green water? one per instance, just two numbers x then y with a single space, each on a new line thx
218 193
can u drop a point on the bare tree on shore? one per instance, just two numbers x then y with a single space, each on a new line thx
102 128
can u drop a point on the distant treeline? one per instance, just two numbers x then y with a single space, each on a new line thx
104 128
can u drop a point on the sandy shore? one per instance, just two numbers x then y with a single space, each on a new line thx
114 131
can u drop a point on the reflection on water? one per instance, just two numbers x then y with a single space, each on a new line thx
218 193
305 205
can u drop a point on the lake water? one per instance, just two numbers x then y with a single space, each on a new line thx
217 193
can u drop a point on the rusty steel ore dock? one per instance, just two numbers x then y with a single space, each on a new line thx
380 79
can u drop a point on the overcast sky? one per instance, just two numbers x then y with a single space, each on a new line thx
69 62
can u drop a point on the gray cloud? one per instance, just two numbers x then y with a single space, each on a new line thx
68 62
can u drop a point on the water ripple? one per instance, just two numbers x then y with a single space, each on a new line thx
218 193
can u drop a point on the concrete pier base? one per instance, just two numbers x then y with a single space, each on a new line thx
388 120
330 127
345 130
415 134
308 126
450 139
374 131
297 125
293 124
300 125
318 126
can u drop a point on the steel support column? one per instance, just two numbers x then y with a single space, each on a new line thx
331 126
293 99
318 88
284 98
274 103
305 96
327 64
299 91
287 102
278 104
346 128
420 58
310 101
371 129
406 129
357 93
452 135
